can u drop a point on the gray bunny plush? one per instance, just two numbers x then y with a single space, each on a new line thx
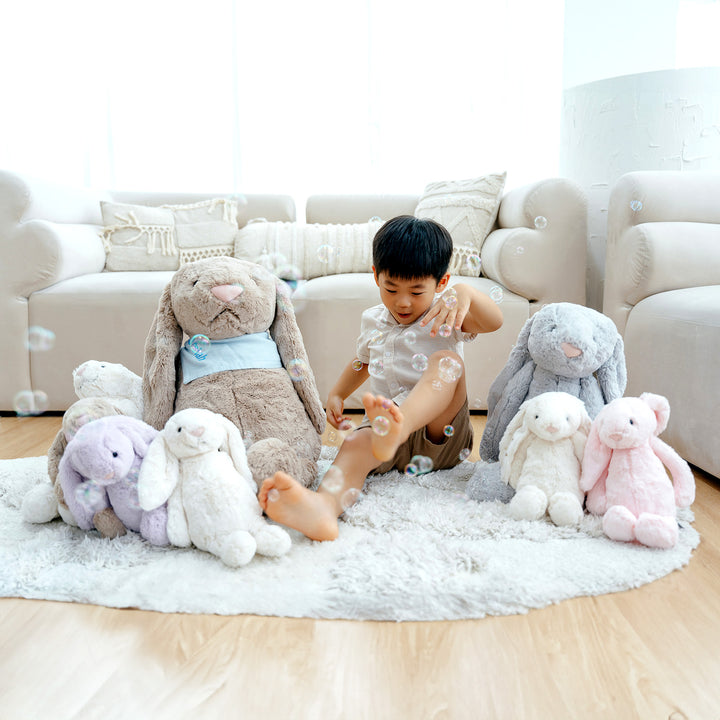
244 358
563 347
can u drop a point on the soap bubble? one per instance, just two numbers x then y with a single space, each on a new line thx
199 345
423 463
636 205
333 480
450 369
410 337
376 368
375 218
349 498
39 339
448 431
272 261
298 369
444 330
496 294
386 404
474 263
357 365
450 299
420 362
540 222
376 338
519 250
346 426
89 494
28 402
273 495
411 469
325 253
381 426
290 275
464 454
436 385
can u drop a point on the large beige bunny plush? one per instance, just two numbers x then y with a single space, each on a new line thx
541 457
198 465
224 338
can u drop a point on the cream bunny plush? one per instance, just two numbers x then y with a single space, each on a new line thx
199 466
96 378
624 476
541 454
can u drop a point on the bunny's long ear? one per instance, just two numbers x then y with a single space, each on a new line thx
159 475
612 374
235 448
596 457
286 334
140 435
660 406
513 447
159 374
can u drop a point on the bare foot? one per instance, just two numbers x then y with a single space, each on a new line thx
384 446
287 502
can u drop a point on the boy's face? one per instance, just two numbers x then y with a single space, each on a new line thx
408 300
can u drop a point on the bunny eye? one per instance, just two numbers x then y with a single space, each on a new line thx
537 417
115 454
632 422
180 429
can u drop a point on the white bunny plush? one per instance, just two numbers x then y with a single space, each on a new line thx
199 466
541 456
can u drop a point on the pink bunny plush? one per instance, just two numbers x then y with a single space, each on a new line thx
624 475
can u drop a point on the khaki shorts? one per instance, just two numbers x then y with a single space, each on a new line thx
443 455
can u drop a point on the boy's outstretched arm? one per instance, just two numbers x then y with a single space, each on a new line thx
350 380
475 312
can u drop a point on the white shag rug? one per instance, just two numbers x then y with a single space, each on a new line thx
412 548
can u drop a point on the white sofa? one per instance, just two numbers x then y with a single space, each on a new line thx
52 260
662 289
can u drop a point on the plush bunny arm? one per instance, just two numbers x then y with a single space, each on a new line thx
505 409
683 480
513 460
159 475
596 459
612 375
55 454
579 442
70 480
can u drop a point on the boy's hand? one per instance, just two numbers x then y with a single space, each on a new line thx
449 309
334 411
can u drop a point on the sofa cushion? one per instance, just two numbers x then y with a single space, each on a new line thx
468 209
143 237
308 251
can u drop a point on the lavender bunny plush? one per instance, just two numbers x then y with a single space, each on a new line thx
563 347
98 474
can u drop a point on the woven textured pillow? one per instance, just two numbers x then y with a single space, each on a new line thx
142 237
468 209
308 251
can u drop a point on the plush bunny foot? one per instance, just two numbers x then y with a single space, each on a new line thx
40 505
153 526
486 485
236 549
268 456
529 503
619 524
108 524
656 531
565 509
272 541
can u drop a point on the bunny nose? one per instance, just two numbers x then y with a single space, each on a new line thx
552 429
570 350
616 436
197 432
227 293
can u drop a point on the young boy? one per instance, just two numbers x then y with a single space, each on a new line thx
412 351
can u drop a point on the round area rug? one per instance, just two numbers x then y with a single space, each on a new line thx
412 548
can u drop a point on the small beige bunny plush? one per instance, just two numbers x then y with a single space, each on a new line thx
541 457
244 358
198 465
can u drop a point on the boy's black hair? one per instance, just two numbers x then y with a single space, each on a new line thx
407 247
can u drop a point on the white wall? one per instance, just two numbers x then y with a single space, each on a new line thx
633 101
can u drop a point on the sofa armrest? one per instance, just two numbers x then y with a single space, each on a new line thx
543 261
663 234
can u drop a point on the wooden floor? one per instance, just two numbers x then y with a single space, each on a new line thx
650 653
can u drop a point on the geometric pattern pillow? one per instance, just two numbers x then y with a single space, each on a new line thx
308 251
468 209
144 237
